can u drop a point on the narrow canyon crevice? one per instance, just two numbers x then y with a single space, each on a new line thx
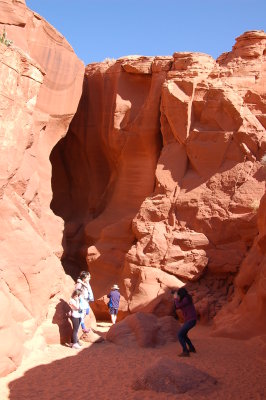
104 168
153 180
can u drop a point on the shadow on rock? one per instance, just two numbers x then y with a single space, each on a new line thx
61 318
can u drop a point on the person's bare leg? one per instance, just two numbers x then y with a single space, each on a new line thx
113 318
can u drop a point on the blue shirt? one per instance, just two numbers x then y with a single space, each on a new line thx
114 296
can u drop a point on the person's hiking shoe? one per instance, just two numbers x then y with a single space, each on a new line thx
85 330
76 346
192 350
184 354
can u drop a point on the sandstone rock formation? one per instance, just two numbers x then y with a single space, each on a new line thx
244 316
168 376
157 183
91 337
145 330
165 176
40 86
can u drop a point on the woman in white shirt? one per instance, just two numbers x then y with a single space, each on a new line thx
86 296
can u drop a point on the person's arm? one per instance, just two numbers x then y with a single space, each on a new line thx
73 305
90 293
180 304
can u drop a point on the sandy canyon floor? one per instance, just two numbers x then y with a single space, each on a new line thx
221 369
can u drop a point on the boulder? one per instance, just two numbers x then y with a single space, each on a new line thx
144 330
169 376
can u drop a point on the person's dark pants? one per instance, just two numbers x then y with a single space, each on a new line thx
183 337
75 323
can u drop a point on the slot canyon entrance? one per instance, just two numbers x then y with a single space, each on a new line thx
155 182
104 168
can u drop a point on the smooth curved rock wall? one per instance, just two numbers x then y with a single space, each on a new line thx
158 183
40 86
165 177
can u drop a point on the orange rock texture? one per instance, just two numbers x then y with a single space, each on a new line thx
143 329
40 86
158 181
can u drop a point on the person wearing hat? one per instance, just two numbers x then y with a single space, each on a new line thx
114 297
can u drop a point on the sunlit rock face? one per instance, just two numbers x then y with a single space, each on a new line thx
157 183
40 86
159 178
244 316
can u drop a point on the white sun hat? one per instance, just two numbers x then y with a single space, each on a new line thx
115 287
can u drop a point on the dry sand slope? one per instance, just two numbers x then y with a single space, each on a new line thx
222 369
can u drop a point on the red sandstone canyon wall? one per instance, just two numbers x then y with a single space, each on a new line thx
40 86
157 182
165 178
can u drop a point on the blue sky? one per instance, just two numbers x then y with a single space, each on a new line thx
97 29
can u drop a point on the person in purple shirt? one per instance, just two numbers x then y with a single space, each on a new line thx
114 297
183 301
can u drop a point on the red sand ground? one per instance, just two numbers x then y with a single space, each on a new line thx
104 370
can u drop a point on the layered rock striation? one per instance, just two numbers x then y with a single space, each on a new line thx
165 178
40 86
157 183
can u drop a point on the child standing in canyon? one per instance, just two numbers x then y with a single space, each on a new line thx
114 297
184 302
76 314
83 284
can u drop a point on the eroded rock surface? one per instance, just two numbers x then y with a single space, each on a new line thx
165 178
244 316
158 183
170 376
40 86
145 330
